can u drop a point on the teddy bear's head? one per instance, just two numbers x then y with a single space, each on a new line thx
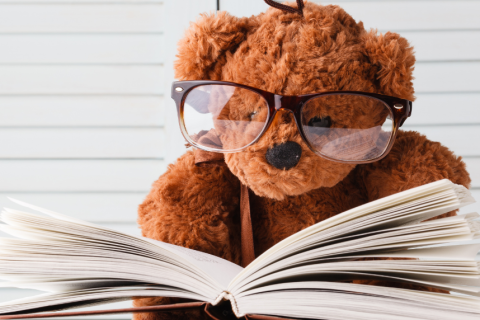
291 54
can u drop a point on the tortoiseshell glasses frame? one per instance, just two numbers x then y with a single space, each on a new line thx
400 110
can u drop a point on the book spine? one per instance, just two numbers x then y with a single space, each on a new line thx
227 296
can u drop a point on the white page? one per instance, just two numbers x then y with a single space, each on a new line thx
398 238
378 205
223 271
452 252
90 296
461 197
219 269
375 301
52 213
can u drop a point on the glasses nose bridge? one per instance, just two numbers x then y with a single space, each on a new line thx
290 103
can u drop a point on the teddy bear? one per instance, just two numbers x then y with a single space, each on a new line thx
307 49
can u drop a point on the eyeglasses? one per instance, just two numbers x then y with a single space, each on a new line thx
343 126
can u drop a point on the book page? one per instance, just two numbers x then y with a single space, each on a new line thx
83 263
83 298
394 242
354 301
58 254
219 269
416 204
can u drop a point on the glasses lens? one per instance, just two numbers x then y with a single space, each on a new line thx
348 127
224 117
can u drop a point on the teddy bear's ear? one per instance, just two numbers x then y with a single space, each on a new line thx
394 58
202 51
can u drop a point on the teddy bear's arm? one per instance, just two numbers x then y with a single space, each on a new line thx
413 161
192 207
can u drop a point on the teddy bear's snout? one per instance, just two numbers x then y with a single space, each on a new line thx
284 156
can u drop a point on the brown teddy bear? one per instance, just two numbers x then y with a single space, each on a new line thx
297 174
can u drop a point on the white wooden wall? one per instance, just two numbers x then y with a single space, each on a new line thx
83 86
86 122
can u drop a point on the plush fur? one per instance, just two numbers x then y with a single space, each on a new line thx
285 53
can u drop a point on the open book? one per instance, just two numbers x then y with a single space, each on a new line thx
308 275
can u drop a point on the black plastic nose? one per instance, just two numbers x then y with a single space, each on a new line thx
285 155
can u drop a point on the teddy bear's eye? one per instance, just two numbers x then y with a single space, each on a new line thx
252 115
320 122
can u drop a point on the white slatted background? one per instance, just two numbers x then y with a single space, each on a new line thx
86 123
82 104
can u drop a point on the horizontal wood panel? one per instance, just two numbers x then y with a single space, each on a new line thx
103 176
80 1
244 8
79 175
447 77
64 111
430 77
116 79
473 167
389 15
96 143
462 140
413 14
81 48
81 111
447 109
445 46
138 143
94 207
78 17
